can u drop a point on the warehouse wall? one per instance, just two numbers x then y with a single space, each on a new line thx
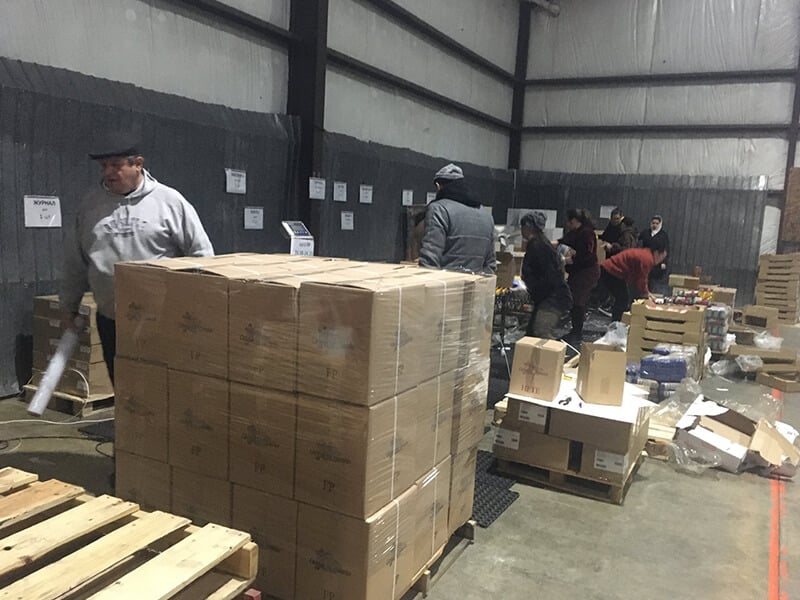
379 113
48 118
155 44
649 37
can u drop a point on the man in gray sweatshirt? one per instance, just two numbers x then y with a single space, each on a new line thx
459 236
128 216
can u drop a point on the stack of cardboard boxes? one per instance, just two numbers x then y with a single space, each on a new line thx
593 427
86 377
778 285
331 408
651 325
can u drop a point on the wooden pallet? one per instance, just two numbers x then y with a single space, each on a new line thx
60 542
569 481
73 405
441 560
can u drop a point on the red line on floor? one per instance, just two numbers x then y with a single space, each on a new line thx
778 568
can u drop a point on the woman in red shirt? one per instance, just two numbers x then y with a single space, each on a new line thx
629 267
583 270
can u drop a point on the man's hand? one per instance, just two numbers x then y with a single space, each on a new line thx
606 246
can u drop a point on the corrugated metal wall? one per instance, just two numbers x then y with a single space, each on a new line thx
378 232
48 118
712 222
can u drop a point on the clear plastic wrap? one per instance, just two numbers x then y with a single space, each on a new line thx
746 398
616 335
766 341
694 461
338 405
749 364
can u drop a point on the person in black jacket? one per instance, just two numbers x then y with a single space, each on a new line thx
583 268
619 234
544 277
656 238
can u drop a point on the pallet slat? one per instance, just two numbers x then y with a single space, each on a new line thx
178 566
58 578
12 479
35 499
214 586
33 543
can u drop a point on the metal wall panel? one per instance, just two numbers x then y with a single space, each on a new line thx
48 118
378 233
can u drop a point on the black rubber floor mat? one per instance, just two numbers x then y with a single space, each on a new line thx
485 472
492 492
490 502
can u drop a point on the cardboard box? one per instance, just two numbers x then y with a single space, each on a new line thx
49 307
462 489
359 343
532 448
49 328
443 315
203 499
519 414
684 281
199 409
141 412
722 295
731 454
786 381
195 319
469 407
768 356
433 506
668 312
272 523
537 369
613 428
83 356
509 266
613 467
601 374
143 480
262 439
262 343
434 422
140 291
357 559
355 459
760 316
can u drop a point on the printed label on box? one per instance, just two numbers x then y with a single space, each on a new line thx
531 413
507 439
608 461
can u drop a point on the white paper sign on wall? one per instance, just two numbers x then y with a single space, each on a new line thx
348 222
42 211
365 194
430 197
339 191
605 211
235 181
253 217
408 197
316 188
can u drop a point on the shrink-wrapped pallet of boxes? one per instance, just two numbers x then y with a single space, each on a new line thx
332 408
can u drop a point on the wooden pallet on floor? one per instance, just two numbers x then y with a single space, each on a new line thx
441 560
73 405
569 481
60 542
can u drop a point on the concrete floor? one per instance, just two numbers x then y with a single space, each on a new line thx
677 536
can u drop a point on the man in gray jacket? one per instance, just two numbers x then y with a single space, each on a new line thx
459 236
128 216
